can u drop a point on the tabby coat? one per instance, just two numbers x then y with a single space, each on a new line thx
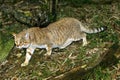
58 34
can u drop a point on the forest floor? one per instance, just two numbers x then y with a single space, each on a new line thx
69 61
99 60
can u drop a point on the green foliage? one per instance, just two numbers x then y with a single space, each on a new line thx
7 40
5 47
97 74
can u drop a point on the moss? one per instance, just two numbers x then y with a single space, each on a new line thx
4 50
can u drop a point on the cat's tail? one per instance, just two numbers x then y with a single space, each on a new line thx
93 30
87 29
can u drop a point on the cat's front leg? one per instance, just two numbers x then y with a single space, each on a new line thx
29 54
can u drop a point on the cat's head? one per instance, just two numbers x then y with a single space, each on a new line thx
21 41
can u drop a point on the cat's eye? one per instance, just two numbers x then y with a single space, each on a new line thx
21 42
25 42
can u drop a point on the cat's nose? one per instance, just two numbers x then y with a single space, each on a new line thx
17 45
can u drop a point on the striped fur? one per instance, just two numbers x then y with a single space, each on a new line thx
58 34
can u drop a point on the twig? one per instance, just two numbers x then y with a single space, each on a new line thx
18 3
67 58
7 23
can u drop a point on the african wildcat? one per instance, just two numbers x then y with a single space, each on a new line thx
58 34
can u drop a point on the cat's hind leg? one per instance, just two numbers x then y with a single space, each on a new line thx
84 40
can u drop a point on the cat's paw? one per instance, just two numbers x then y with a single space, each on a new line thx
86 43
46 54
24 64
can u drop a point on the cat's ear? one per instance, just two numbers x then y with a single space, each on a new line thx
14 34
27 35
